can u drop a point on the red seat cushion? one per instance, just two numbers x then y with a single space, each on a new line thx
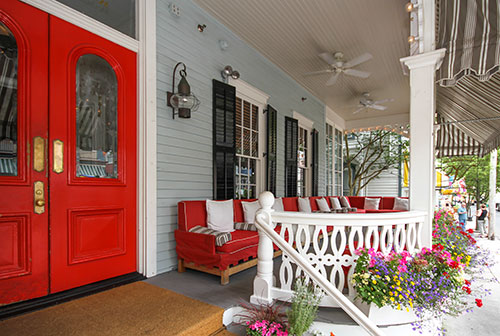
241 239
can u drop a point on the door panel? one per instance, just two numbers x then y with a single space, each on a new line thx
93 115
23 117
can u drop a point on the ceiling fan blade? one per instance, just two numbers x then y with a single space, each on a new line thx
312 73
358 60
383 101
327 57
333 79
361 108
357 73
378 107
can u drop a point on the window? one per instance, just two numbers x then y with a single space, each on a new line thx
250 141
119 15
329 169
303 154
338 162
247 148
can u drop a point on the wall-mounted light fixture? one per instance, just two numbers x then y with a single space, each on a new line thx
201 27
229 72
182 102
410 7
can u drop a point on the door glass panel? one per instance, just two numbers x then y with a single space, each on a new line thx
96 118
8 102
118 14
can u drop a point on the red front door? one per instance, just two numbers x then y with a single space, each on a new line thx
67 156
23 118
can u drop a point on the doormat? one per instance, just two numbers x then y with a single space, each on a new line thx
134 309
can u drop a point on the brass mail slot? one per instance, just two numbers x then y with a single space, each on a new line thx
58 153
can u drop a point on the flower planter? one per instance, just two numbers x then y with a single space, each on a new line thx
386 315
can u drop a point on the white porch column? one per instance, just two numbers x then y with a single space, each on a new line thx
422 109
493 193
264 280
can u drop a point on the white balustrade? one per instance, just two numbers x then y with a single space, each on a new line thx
321 246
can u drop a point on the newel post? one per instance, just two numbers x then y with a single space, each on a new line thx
264 280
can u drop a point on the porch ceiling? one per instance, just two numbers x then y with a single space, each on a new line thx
291 34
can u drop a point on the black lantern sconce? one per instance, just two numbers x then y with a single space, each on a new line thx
229 72
183 101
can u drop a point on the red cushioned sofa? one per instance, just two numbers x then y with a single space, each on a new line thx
198 251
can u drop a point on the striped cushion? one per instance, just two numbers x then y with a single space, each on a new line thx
220 237
245 226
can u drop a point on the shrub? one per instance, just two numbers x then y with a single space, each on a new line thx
305 302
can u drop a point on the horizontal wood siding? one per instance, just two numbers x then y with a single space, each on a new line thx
185 145
385 185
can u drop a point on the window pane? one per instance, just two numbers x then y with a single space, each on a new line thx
96 118
238 140
255 144
118 14
252 171
246 142
246 114
8 102
255 118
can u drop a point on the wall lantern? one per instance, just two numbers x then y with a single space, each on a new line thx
183 101
229 72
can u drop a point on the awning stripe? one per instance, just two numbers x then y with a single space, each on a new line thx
451 141
469 30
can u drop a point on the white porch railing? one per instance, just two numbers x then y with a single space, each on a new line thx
321 247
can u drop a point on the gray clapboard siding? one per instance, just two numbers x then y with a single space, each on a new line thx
385 185
185 146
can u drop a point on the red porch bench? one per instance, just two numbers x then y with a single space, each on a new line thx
198 251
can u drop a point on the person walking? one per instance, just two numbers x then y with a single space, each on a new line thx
462 215
481 214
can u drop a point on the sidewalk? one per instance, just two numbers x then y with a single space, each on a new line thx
484 321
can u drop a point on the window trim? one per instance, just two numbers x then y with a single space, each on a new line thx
308 125
256 97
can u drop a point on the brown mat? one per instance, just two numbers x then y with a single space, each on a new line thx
134 309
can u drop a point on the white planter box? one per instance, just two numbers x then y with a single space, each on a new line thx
386 316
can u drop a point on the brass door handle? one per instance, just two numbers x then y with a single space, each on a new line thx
39 197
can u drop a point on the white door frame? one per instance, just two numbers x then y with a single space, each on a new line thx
145 47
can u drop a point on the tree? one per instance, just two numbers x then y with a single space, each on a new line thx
368 154
474 170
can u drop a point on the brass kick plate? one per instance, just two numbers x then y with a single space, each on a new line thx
38 154
58 152
39 198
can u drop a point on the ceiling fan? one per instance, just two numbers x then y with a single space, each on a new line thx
337 65
367 102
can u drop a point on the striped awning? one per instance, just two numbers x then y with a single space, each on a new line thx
451 141
468 94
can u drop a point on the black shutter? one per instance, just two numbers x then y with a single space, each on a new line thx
314 163
291 143
271 148
224 99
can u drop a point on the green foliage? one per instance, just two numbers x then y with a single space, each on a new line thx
305 301
371 153
474 170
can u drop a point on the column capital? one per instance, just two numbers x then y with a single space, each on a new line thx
432 58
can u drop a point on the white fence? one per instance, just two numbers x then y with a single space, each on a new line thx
321 247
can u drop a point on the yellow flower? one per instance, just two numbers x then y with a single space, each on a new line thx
374 282
392 299
399 289
399 307
412 283
390 293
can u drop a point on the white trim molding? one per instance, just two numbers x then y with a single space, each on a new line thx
251 92
147 202
335 119
390 120
85 22
303 121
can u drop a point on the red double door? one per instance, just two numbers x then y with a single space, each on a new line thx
67 155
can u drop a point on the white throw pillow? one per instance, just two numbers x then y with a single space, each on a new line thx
335 203
322 204
372 203
250 210
401 204
220 215
304 204
278 204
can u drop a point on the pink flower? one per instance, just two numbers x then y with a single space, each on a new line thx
402 268
371 252
359 251
372 262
